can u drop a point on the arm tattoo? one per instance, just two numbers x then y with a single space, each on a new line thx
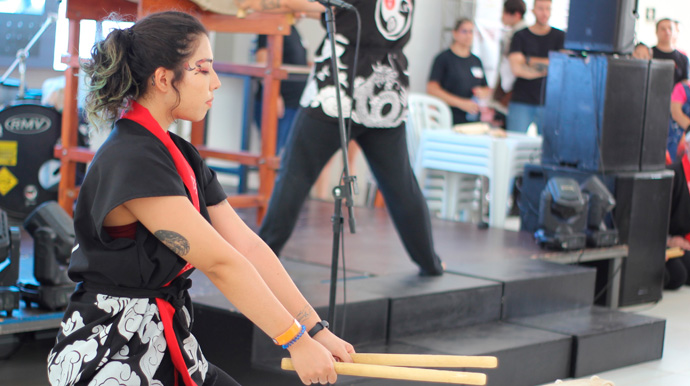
270 4
304 314
173 240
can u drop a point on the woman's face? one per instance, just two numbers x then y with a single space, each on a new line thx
464 34
197 84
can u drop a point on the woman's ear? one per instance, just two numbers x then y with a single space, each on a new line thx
162 79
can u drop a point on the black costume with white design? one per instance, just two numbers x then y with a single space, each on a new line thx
381 81
380 102
112 332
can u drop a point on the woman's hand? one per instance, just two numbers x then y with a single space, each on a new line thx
339 348
312 361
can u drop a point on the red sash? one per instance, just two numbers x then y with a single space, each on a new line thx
142 116
686 171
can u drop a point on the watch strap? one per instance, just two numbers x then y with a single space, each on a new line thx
320 325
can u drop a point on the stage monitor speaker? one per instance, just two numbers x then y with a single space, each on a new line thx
602 26
641 215
606 114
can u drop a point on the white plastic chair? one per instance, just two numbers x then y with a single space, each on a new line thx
426 112
500 160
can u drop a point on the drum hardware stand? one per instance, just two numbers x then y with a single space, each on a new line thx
10 239
349 182
22 54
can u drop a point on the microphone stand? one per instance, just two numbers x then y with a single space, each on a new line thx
348 183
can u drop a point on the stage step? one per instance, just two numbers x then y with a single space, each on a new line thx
603 339
385 307
536 317
533 287
526 356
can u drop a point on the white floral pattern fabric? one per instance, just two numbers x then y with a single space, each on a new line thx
118 341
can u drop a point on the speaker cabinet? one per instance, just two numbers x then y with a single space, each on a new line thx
641 215
606 114
656 118
643 206
602 26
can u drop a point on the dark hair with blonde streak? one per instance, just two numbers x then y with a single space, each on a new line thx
123 64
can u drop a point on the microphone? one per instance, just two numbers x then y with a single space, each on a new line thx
334 3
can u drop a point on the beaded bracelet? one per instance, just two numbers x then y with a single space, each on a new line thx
295 339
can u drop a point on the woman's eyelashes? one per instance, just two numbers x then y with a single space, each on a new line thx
197 68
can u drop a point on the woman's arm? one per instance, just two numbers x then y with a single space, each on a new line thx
677 114
280 6
465 104
175 222
231 227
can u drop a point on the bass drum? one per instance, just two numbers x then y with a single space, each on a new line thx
29 174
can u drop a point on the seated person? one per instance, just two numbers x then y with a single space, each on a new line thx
679 225
457 77
680 119
642 51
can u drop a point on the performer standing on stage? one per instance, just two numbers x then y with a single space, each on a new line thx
150 211
377 106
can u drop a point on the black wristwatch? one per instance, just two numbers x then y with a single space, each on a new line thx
318 327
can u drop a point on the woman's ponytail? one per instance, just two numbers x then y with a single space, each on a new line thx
110 79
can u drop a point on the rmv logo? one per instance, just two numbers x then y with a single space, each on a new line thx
27 124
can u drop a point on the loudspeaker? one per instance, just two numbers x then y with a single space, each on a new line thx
606 114
643 206
602 26
656 118
641 216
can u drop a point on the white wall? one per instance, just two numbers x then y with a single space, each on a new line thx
672 9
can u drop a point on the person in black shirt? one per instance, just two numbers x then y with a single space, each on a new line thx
376 102
457 76
665 49
290 90
529 60
149 213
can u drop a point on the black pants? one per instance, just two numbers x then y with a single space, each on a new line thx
311 144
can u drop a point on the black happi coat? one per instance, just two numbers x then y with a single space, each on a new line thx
112 329
379 98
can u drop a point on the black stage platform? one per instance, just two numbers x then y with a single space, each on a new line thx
537 317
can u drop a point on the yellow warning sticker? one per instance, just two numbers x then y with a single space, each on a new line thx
7 181
8 153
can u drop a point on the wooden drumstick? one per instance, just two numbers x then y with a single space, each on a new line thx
402 373
415 360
